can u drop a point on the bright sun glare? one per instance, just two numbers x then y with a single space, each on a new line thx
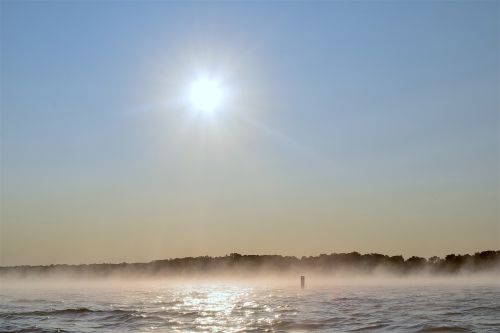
206 94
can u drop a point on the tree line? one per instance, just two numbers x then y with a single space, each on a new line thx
485 261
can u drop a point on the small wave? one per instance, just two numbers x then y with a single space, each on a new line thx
452 313
34 329
31 301
58 312
369 328
290 325
484 308
432 329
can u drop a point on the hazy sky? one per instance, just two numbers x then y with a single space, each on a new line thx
346 126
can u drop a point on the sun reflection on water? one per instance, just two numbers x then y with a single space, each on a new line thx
217 309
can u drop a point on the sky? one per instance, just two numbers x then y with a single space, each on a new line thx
345 126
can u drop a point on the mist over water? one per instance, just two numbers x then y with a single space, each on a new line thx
238 293
246 293
378 304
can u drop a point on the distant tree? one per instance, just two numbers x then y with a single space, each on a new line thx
416 260
434 260
397 259
415 263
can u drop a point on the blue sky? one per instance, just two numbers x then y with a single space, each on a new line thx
369 126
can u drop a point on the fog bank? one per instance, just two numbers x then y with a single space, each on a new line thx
339 267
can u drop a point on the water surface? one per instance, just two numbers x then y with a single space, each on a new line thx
231 307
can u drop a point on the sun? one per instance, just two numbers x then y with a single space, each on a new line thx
206 95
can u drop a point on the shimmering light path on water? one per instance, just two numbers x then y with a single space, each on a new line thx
236 308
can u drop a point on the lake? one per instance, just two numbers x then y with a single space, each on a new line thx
249 307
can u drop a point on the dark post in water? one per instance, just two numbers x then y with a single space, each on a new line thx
302 281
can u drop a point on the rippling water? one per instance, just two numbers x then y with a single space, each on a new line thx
234 308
